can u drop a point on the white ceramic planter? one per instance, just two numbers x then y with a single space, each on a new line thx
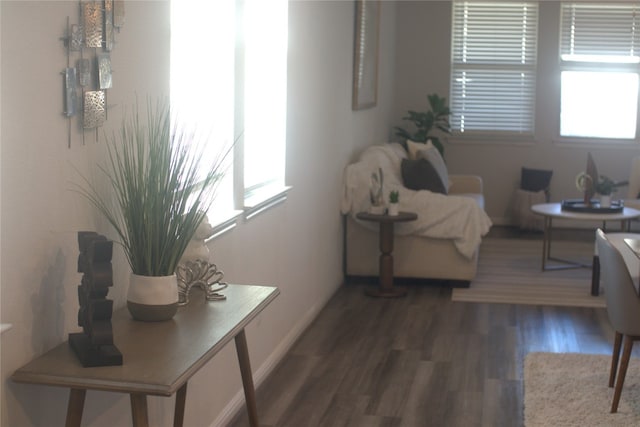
605 201
152 298
393 209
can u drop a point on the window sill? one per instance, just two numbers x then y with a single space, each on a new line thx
254 206
485 139
264 201
594 142
223 225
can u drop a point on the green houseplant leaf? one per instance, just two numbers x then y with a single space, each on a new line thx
437 117
159 193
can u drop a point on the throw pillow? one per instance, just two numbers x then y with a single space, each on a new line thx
432 154
419 174
413 148
535 179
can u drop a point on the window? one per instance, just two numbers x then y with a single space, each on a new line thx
228 81
599 70
494 48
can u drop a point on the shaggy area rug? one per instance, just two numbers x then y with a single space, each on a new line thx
570 389
509 271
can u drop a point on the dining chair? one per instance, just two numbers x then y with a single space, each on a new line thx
623 309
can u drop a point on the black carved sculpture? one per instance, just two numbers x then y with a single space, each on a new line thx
94 345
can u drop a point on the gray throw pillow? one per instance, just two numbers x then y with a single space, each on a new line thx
419 174
432 154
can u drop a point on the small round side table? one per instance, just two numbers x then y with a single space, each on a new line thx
386 288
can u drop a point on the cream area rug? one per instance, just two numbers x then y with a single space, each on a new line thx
570 389
510 271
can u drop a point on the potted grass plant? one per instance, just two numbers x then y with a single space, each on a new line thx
158 197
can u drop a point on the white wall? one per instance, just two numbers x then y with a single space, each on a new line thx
423 66
296 246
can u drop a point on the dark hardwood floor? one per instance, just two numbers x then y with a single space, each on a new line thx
421 360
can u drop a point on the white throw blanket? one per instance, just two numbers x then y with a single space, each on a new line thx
439 216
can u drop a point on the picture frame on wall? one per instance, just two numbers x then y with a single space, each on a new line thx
365 60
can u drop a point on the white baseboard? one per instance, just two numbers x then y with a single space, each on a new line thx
237 403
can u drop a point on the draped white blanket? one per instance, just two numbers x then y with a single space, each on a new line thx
439 216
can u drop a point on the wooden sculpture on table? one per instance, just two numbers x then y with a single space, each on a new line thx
94 345
586 181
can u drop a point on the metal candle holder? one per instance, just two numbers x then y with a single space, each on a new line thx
200 274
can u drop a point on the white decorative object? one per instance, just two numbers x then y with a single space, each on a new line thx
197 248
605 201
393 209
152 298
199 274
375 191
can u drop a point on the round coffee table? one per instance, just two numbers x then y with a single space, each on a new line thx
386 222
554 210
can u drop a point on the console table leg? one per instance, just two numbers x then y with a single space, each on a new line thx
247 378
178 413
75 407
139 413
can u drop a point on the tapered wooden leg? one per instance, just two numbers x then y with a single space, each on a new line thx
595 276
139 413
75 407
178 413
617 343
624 364
247 378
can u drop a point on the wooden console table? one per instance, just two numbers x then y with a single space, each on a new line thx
159 357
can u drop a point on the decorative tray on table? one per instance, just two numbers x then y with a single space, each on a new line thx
578 205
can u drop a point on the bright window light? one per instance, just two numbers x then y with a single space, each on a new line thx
202 82
229 83
599 104
265 108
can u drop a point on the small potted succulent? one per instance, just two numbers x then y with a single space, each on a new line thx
394 200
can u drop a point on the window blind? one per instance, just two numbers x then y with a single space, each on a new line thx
600 32
494 51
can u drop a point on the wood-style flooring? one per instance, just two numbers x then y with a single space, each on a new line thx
421 360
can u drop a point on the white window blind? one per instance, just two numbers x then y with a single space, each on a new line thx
600 32
494 50
599 55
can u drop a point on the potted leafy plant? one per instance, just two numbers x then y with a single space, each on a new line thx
606 187
425 121
159 196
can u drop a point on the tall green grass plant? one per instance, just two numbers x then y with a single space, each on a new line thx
160 192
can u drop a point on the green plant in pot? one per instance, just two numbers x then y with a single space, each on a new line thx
605 186
394 200
158 196
425 122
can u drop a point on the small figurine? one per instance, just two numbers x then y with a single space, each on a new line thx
376 193
195 270
197 248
